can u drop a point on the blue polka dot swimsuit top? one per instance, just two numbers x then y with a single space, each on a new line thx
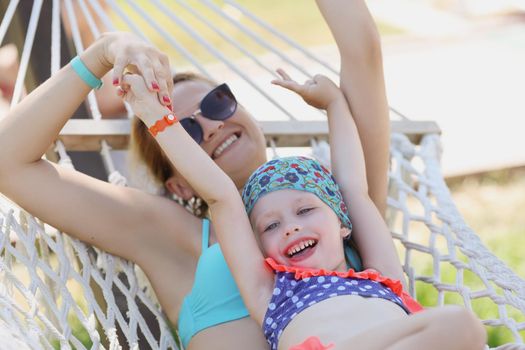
298 288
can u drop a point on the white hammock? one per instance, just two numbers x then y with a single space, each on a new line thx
56 291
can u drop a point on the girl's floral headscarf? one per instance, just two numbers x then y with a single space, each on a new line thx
296 173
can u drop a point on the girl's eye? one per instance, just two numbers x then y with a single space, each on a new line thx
304 211
270 227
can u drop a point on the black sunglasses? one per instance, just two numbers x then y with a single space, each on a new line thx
218 104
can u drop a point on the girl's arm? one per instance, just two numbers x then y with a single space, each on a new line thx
363 85
348 167
370 231
117 219
229 217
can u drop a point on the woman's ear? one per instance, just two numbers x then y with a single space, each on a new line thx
180 187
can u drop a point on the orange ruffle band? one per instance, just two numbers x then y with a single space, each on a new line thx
368 274
312 343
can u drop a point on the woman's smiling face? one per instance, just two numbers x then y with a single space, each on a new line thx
236 144
296 228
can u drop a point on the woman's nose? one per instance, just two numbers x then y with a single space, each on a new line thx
209 127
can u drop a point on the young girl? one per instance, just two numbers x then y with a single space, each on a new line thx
303 295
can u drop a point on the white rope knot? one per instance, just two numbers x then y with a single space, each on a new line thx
66 163
63 158
117 178
402 144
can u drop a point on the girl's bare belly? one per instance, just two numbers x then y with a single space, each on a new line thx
240 334
339 318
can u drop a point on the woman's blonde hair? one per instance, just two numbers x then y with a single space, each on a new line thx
145 149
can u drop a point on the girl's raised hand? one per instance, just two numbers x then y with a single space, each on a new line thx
142 100
127 52
318 92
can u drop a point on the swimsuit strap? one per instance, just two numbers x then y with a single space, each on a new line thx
205 234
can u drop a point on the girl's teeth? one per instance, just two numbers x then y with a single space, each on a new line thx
300 247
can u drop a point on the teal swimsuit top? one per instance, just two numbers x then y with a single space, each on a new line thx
214 297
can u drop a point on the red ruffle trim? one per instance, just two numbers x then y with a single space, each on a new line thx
368 274
312 343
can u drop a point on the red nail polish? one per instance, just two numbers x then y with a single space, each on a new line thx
155 86
166 99
170 107
115 81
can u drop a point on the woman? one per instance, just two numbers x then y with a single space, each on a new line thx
155 232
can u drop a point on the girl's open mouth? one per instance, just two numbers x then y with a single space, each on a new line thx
302 249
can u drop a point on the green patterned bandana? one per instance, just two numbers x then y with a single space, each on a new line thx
296 173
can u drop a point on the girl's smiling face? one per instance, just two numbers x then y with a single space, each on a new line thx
296 228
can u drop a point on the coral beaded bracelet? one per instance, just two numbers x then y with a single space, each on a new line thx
162 123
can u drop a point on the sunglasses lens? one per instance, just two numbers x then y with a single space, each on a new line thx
219 104
192 128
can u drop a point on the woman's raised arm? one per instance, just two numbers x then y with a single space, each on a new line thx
363 84
116 219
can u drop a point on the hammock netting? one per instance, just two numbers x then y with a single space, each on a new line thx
57 292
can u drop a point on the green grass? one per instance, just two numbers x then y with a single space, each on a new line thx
79 332
493 204
485 308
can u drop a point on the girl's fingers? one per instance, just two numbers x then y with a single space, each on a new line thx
124 86
283 74
283 83
120 91
134 83
290 85
122 67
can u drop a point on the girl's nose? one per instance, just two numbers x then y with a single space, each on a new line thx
292 229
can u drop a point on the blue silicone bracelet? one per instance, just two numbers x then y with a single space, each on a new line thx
85 74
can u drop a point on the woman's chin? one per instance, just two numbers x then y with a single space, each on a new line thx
240 160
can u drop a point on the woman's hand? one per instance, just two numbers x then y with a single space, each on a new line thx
126 52
318 92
